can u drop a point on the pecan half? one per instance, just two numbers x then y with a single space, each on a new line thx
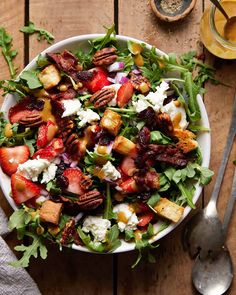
102 97
90 200
164 123
68 232
140 83
86 182
105 56
33 120
70 139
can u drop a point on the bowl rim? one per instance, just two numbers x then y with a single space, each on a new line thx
125 247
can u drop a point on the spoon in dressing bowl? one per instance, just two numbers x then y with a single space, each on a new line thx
230 26
213 276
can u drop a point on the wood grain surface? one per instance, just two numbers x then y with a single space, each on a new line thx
70 272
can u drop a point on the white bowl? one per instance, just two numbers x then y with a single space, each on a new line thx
203 139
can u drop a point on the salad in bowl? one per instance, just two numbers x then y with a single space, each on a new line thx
104 145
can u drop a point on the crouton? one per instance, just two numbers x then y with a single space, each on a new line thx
124 146
187 142
111 121
169 210
49 77
50 212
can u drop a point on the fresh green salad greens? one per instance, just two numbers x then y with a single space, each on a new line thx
115 174
41 33
7 51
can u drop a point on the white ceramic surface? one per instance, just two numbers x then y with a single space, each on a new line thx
203 139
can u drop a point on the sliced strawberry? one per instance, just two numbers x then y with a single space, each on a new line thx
128 166
46 133
11 157
129 186
74 176
140 207
98 81
125 94
23 189
21 110
145 218
51 151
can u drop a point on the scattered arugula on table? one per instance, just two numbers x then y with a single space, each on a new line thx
41 33
7 51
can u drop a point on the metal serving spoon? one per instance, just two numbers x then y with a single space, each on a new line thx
230 21
213 276
204 233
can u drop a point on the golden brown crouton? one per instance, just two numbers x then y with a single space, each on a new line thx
123 145
169 210
111 121
50 212
187 141
49 77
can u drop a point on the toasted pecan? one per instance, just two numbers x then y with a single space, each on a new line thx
32 120
102 97
105 56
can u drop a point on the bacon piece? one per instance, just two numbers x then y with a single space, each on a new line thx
69 94
65 61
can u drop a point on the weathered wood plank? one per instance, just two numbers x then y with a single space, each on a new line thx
65 19
12 19
172 272
71 272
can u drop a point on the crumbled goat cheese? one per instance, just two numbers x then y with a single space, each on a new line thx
71 106
110 172
157 98
32 168
49 173
87 116
116 87
129 219
97 226
140 105
177 114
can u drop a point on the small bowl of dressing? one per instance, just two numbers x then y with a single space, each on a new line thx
212 31
172 10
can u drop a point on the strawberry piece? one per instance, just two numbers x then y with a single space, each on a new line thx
23 189
125 94
74 176
129 186
46 133
21 110
11 157
145 218
140 207
98 81
128 166
51 151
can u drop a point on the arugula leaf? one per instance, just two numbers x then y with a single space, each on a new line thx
31 144
205 175
129 235
153 200
158 137
193 90
8 53
20 218
85 59
108 213
31 78
41 33
36 248
113 241
42 61
197 128
53 188
186 194
10 86
101 42
86 239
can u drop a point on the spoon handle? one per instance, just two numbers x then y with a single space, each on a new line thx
221 9
226 153
230 206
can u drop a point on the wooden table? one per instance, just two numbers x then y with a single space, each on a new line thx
71 272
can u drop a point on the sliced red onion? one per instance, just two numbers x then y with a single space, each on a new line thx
65 158
73 164
78 217
57 161
109 147
44 193
111 80
121 78
116 66
136 71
